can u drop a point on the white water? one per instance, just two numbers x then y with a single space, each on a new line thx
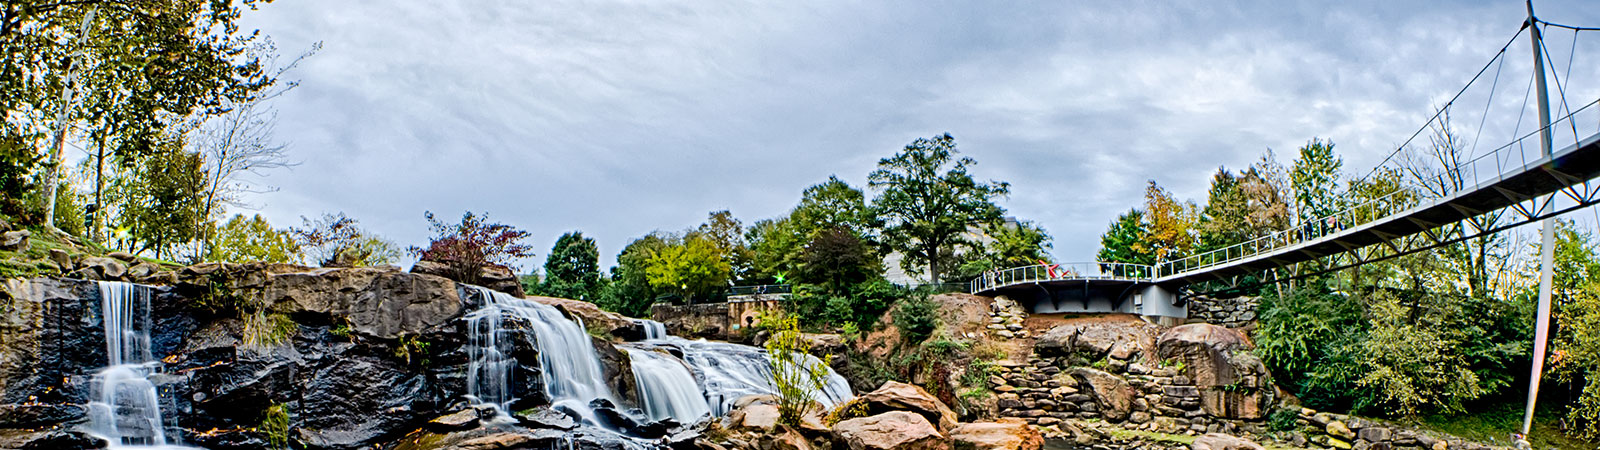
124 408
730 371
653 329
571 368
666 388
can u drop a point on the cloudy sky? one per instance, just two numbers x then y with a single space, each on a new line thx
618 118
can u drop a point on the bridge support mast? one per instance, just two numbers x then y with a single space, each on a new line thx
1547 246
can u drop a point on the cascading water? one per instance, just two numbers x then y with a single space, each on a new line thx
124 407
666 388
571 368
730 371
653 329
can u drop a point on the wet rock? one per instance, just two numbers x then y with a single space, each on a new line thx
592 315
378 302
497 441
1218 441
1006 434
460 420
15 241
897 396
898 430
49 440
548 418
39 414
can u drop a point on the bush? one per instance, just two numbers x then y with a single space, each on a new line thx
275 426
917 318
794 373
473 244
1283 419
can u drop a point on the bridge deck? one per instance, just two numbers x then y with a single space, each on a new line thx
1571 166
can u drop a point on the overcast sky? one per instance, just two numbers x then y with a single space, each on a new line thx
622 118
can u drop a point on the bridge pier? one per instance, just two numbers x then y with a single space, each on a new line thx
1162 305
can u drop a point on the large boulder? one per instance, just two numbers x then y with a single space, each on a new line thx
1218 441
1096 338
493 276
1233 384
898 430
101 268
376 301
1111 392
591 315
1007 434
897 396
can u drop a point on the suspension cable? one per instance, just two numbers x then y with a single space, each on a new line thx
1446 105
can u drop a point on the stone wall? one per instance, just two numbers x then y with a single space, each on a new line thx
1228 312
711 320
1197 379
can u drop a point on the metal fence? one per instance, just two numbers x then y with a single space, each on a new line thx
1065 271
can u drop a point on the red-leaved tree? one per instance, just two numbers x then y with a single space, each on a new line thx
472 245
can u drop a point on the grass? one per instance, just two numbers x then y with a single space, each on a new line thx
1494 423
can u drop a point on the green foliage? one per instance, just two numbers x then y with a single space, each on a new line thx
794 374
1412 365
836 258
573 269
832 205
412 348
18 162
850 409
263 329
1308 339
775 246
694 268
252 239
928 202
1575 332
275 426
1314 178
1283 419
917 317
163 202
629 291
722 229
1124 240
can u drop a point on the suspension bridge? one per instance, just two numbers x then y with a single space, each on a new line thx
1467 195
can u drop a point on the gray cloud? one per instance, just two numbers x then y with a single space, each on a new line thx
621 118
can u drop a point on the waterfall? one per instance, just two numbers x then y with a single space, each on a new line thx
666 388
570 366
730 371
653 329
124 408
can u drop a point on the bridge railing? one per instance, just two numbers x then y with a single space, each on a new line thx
1064 271
1494 165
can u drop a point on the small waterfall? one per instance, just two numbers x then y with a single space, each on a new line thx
571 368
730 371
653 329
124 408
666 388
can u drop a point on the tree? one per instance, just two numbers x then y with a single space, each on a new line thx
1169 224
837 259
1009 244
1575 332
728 234
1412 364
1225 219
335 240
694 268
573 268
472 245
163 202
775 246
929 201
832 205
244 239
1315 181
630 292
239 140
1124 241
144 66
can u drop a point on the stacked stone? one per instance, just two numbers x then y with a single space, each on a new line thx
1005 319
1228 312
1344 432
